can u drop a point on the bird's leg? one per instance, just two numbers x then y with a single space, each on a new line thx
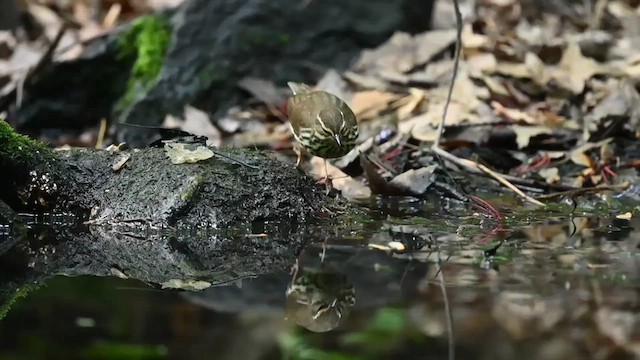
326 179
298 151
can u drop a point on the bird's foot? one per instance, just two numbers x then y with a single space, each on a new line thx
326 180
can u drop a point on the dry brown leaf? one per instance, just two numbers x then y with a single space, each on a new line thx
622 103
579 156
333 82
515 115
377 183
551 175
351 188
514 70
406 105
415 181
525 133
631 66
481 64
366 81
471 40
195 122
263 136
436 73
403 52
496 87
536 68
575 69
423 127
263 90
368 104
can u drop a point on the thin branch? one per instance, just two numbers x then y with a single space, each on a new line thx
447 309
32 75
508 184
583 191
474 167
456 62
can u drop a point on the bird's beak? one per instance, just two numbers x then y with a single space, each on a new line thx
337 137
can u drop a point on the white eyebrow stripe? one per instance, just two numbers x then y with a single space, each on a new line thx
324 127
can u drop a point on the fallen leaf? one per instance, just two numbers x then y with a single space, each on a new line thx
263 90
415 181
187 153
187 284
579 156
403 52
515 115
368 104
551 175
575 69
195 122
625 216
525 133
351 188
333 82
406 106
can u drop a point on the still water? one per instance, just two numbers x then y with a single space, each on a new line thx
463 287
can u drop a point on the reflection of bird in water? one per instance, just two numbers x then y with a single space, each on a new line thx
319 300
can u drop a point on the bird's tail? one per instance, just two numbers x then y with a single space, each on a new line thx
299 88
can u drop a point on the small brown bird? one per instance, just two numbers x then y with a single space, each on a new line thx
321 123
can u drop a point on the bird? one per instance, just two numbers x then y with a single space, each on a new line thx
321 123
319 299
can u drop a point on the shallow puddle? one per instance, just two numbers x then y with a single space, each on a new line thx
414 285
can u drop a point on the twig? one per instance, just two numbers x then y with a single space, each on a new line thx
237 161
467 164
508 184
454 75
474 167
597 15
447 309
101 133
513 179
32 74
583 191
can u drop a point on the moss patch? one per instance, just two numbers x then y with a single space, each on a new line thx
14 145
19 294
147 40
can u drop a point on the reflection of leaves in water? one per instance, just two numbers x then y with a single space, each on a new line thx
296 347
383 333
19 293
116 351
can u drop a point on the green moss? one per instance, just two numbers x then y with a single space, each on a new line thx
14 145
147 40
19 294
193 188
114 350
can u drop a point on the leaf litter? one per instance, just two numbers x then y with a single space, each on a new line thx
536 99
548 100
